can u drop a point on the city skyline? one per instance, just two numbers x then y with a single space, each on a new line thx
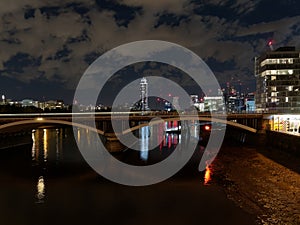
46 47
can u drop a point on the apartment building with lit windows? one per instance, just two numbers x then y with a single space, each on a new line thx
278 81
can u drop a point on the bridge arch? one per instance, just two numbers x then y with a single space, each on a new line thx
49 121
153 122
207 119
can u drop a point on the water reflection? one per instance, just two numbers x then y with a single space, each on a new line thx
40 190
48 145
164 136
173 137
195 130
56 182
58 144
207 175
78 135
45 144
33 150
144 142
47 148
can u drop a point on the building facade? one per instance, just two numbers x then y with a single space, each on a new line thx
278 81
214 104
144 94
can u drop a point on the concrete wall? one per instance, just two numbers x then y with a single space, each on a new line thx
266 139
285 142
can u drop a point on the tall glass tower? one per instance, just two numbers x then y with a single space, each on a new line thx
144 94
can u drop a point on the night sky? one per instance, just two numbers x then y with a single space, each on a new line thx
47 45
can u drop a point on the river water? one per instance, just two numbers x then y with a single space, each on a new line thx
50 183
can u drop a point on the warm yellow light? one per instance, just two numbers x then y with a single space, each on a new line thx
39 119
41 188
207 176
45 142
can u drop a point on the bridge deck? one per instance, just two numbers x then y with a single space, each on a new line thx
68 118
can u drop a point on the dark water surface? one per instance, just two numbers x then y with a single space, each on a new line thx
50 183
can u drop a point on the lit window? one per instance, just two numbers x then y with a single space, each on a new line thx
277 61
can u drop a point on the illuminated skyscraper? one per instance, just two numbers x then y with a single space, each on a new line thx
144 94
278 80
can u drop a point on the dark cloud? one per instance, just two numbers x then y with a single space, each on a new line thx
221 11
11 41
21 60
220 66
81 38
62 54
49 12
38 89
123 14
59 39
29 13
79 8
269 10
170 19
91 57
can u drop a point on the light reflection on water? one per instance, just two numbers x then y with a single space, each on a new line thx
45 144
207 176
57 145
156 137
46 188
166 136
144 142
48 146
33 150
40 190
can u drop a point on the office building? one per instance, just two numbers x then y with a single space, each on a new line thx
278 81
214 104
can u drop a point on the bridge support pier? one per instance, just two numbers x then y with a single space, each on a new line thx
112 144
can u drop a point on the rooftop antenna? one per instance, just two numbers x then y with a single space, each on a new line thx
270 44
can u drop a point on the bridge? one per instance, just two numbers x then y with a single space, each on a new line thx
10 123
248 122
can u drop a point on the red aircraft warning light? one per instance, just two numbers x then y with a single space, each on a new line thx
270 44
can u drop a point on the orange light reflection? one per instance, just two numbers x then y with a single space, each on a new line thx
207 176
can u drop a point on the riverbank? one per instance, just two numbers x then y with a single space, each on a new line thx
260 185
